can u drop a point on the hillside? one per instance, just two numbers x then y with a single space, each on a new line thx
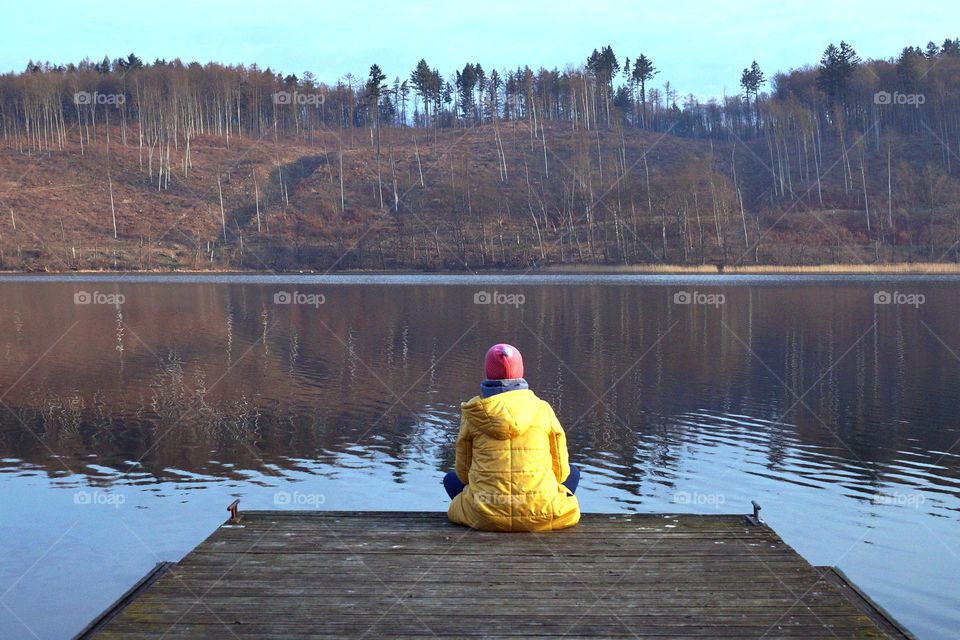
514 194
166 165
567 204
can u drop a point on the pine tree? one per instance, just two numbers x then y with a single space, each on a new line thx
375 89
907 72
422 80
836 67
481 86
493 90
466 81
751 80
950 47
603 66
404 93
643 70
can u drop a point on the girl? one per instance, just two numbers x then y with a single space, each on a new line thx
512 469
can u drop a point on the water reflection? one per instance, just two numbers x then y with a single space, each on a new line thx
807 396
180 376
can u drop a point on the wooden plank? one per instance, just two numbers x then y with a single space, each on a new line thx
865 604
343 574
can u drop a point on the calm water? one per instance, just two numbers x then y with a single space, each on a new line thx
125 431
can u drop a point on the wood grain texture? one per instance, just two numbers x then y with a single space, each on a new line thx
415 575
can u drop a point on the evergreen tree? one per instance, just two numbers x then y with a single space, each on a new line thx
643 70
404 94
466 81
493 89
375 89
907 72
751 80
422 80
950 47
376 85
603 66
836 66
481 86
133 62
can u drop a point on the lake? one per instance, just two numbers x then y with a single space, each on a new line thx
134 409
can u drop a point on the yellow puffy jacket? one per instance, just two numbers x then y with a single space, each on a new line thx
512 455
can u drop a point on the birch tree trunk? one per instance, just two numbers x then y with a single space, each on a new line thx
113 212
256 197
223 217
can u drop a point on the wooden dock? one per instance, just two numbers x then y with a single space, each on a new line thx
389 575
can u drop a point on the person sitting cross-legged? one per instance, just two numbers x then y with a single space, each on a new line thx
512 471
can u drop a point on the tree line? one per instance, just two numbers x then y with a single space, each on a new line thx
886 131
38 104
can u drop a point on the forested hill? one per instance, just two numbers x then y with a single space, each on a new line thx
127 164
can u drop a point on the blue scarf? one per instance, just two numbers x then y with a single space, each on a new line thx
493 387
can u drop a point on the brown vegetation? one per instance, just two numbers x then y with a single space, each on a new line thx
169 166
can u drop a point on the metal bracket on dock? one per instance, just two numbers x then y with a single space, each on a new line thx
235 507
755 518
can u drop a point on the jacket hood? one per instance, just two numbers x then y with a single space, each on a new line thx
502 416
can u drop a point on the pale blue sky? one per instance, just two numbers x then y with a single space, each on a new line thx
699 46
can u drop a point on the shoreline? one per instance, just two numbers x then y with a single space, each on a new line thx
913 268
906 268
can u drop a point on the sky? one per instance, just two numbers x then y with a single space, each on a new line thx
700 47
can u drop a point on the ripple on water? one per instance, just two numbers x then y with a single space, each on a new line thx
865 475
